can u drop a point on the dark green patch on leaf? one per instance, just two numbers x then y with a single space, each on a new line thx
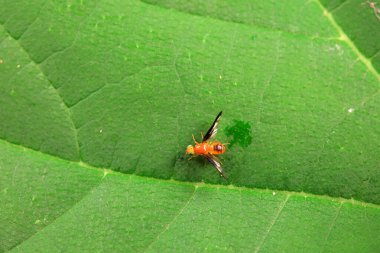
240 132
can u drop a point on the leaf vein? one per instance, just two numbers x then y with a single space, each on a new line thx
259 25
272 223
64 105
88 193
268 83
331 226
167 227
346 39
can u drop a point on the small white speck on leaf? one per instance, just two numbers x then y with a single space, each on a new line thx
273 193
351 110
101 131
18 66
220 77
1 61
339 49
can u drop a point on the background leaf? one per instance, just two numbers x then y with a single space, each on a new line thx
123 85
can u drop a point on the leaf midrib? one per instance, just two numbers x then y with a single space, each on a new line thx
199 184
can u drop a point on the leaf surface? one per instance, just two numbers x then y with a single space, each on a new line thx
122 85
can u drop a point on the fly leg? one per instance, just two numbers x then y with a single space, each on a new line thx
191 157
194 139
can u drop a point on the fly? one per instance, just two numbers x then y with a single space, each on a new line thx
209 149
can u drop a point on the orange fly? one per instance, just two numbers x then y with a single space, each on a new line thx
209 148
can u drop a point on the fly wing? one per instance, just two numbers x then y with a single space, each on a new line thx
213 129
217 164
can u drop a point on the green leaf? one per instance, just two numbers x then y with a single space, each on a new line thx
99 100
